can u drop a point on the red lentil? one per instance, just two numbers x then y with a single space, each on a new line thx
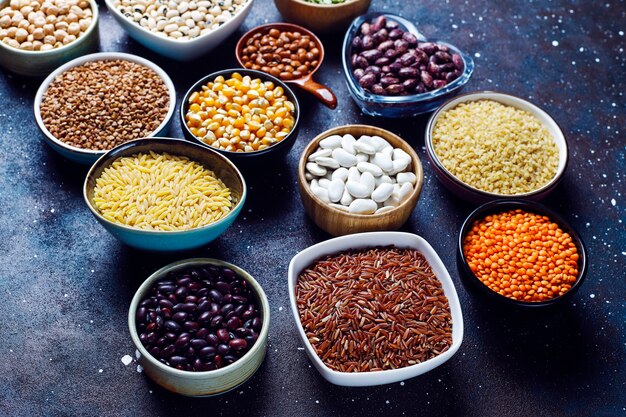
522 255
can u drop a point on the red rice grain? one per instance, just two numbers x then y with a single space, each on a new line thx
374 309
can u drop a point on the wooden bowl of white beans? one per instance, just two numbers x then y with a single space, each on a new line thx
45 44
359 178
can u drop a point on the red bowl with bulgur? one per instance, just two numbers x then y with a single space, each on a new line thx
489 145
521 254
91 104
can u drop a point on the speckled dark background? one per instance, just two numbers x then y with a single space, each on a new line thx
66 283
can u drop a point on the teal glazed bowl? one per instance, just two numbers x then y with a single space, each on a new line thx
169 240
202 383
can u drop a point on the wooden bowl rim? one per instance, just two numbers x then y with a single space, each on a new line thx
385 134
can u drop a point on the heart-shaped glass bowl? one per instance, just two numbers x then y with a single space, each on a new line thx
406 105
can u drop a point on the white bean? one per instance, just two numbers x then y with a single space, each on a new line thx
399 165
339 207
327 162
340 173
335 190
346 198
364 147
383 161
382 192
375 170
331 142
315 169
308 176
379 143
362 157
344 158
347 143
321 153
362 206
321 193
358 190
323 182
404 191
400 154
403 177
384 179
354 174
367 179
384 209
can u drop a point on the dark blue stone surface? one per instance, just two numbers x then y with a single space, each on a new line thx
66 283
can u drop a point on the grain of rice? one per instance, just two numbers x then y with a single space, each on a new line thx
364 310
495 148
161 192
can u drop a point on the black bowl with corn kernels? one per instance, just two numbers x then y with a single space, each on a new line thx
246 115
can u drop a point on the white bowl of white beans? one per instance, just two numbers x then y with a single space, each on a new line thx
190 29
59 31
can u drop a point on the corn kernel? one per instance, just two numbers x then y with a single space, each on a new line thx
239 122
288 123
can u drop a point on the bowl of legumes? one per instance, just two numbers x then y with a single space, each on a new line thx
374 308
392 70
180 29
322 16
38 36
246 115
163 194
489 145
200 326
96 102
521 253
359 178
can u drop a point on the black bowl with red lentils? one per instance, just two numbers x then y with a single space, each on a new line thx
521 254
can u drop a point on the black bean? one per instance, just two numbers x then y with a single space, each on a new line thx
223 349
168 351
228 298
191 299
257 323
172 326
178 360
183 281
233 323
222 335
207 352
238 344
222 287
395 67
216 296
141 314
202 333
249 340
182 342
192 326
167 289
198 343
212 339
180 317
198 365
216 321
204 305
357 42
149 302
248 314
155 351
205 317
228 274
218 361
230 359
227 308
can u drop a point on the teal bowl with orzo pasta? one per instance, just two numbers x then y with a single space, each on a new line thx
162 194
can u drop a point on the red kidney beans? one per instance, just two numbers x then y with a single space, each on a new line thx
387 60
199 319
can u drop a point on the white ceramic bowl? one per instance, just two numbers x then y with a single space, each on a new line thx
89 156
180 50
475 195
207 383
366 240
40 63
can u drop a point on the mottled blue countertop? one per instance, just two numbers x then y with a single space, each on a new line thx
66 284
